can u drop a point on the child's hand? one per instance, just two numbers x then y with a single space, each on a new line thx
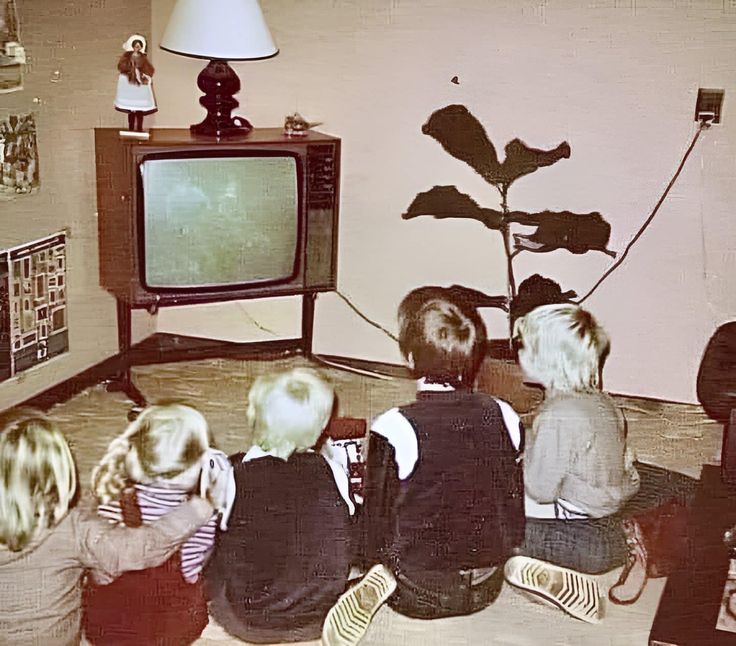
217 483
334 453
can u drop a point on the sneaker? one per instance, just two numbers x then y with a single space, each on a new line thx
348 620
575 593
633 577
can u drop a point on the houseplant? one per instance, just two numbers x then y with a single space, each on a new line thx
463 137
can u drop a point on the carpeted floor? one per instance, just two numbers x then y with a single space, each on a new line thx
679 437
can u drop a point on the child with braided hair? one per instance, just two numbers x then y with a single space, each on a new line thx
150 469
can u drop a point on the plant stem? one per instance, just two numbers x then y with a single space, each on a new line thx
510 280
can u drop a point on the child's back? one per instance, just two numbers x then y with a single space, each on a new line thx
166 602
158 455
444 497
458 505
287 553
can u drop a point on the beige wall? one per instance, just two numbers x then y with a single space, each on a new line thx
82 41
618 80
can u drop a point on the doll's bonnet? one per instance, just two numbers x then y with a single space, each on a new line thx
128 44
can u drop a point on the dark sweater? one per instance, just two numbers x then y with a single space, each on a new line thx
286 555
462 506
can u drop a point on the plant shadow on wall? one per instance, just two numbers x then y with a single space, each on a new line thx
463 136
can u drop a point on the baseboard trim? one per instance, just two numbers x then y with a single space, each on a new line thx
68 388
394 370
170 348
160 348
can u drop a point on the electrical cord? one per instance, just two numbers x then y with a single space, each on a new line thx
328 362
705 123
366 319
253 320
349 368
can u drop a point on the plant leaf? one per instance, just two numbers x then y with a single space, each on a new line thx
463 136
522 160
576 232
535 291
476 298
465 296
447 202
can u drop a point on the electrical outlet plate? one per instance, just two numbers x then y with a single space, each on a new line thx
709 102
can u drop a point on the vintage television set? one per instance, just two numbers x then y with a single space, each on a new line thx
184 219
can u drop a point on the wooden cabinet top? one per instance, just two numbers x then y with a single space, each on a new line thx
184 137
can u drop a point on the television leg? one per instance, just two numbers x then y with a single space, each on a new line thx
307 323
121 382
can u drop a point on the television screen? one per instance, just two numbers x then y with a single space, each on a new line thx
219 221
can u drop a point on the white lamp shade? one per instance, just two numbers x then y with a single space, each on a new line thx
228 30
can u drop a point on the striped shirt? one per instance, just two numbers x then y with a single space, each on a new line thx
155 502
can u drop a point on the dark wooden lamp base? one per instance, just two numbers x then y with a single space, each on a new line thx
219 82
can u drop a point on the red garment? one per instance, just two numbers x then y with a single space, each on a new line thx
149 607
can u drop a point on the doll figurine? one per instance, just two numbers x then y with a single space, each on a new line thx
135 90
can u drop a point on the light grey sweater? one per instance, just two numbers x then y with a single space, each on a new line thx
576 451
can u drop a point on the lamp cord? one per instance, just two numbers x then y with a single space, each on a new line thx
703 125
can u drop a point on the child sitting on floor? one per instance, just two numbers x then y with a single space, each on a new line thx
578 471
286 556
581 479
444 500
47 543
147 471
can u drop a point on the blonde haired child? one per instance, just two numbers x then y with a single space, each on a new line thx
289 410
151 468
286 556
578 471
47 543
581 478
562 347
576 463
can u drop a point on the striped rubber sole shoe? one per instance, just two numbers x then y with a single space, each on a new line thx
348 620
573 592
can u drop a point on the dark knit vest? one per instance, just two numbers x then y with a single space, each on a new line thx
463 505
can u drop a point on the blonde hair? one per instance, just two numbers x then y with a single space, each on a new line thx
444 340
38 476
562 346
164 441
289 410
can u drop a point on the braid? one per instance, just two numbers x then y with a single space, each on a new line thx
110 475
162 442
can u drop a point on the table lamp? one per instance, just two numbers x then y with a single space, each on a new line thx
220 31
